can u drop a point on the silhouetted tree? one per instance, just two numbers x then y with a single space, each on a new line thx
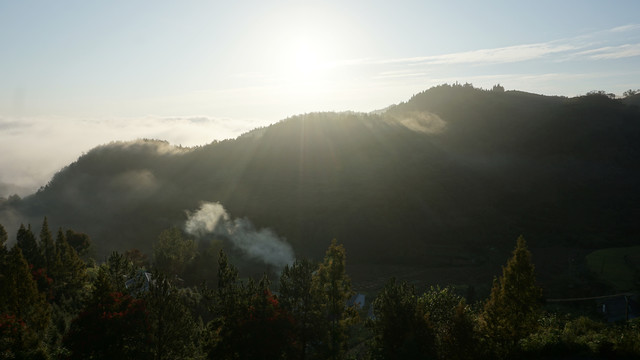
223 338
27 242
24 313
137 258
173 329
70 277
112 325
3 241
119 269
334 287
299 298
80 242
401 327
48 247
452 322
265 328
512 311
172 252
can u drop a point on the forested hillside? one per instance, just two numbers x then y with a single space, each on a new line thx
453 169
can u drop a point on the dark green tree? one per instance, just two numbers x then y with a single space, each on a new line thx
27 242
70 277
265 328
172 252
227 308
3 253
120 269
24 312
299 298
248 322
334 287
112 325
80 242
401 327
137 258
3 241
513 308
174 332
452 321
48 248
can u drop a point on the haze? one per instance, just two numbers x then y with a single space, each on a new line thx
77 74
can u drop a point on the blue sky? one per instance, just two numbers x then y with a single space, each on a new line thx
75 74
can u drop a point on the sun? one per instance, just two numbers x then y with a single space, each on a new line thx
305 60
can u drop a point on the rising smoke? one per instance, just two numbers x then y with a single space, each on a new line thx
263 245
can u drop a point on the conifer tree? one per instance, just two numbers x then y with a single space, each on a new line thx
265 328
70 276
119 269
228 305
302 301
512 311
80 242
3 253
3 241
112 325
332 282
21 302
401 326
172 252
48 248
451 320
173 330
27 242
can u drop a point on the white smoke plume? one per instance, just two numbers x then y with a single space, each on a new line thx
262 244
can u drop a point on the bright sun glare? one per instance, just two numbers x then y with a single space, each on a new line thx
305 61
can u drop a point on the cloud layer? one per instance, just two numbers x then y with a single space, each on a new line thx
33 149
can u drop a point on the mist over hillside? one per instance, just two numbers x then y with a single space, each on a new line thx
453 169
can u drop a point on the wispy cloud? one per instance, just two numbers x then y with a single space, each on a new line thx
612 52
625 28
554 50
507 54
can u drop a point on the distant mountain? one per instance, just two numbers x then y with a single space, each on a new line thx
453 170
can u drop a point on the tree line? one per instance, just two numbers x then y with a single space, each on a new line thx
55 305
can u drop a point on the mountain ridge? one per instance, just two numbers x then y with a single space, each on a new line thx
454 168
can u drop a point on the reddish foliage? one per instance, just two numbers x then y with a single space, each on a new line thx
115 327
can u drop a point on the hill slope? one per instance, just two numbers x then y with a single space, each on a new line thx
453 170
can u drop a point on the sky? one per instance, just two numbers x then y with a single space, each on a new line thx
77 74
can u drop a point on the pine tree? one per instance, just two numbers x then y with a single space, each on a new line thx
512 311
302 301
3 241
80 242
265 328
22 304
3 256
454 337
120 269
27 242
332 282
228 306
48 248
112 325
70 276
401 326
172 253
173 329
